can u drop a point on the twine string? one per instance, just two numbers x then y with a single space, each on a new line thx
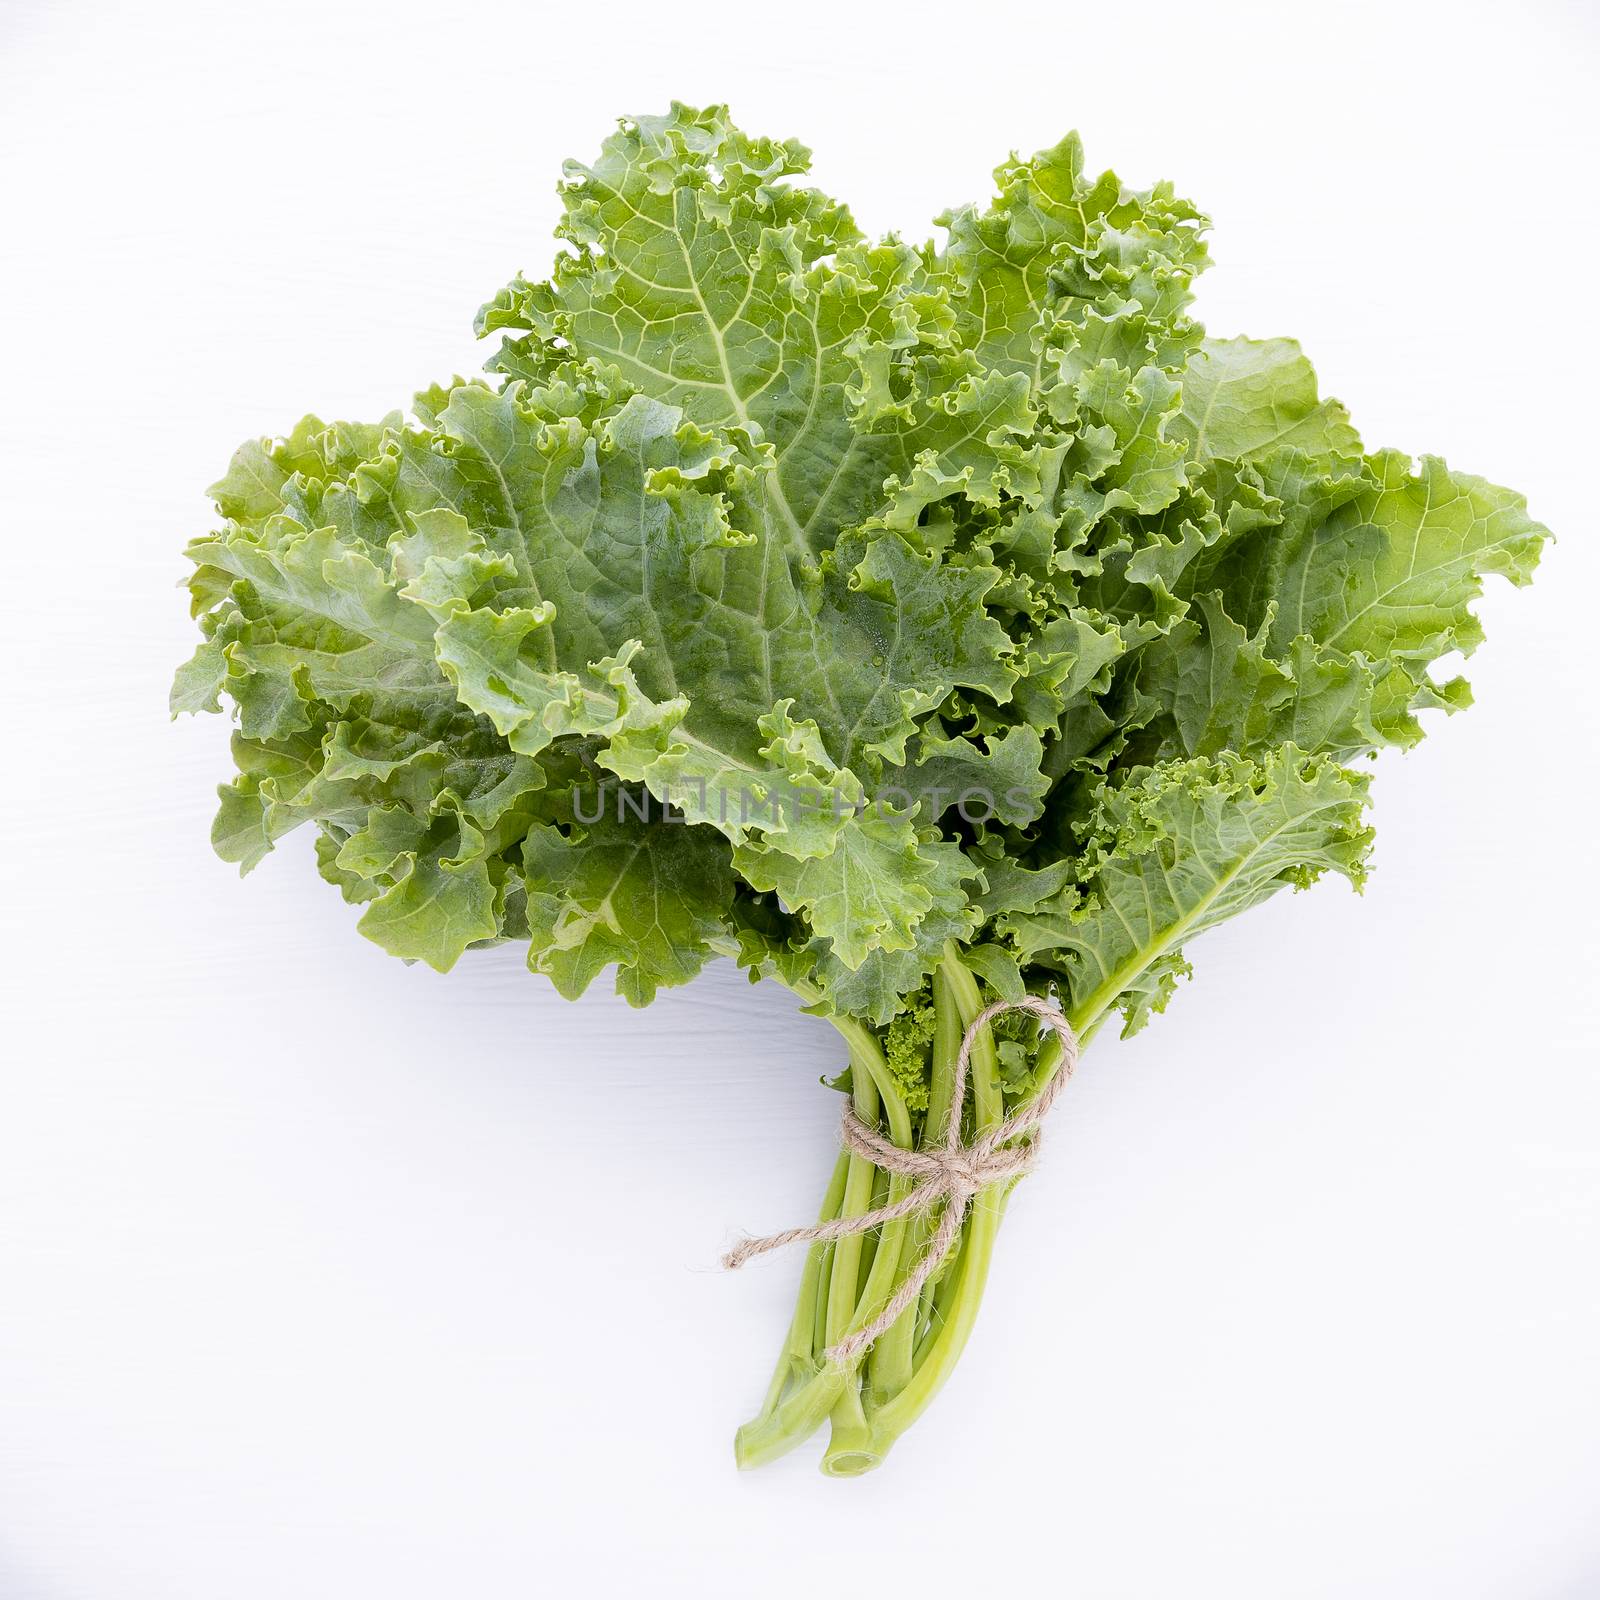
948 1173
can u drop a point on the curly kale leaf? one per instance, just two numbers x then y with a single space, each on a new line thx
833 602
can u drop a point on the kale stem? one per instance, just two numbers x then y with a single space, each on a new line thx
937 1357
957 1000
892 1360
819 1315
988 1105
866 1056
851 1439
841 1285
860 1281
947 1030
959 1290
844 1282
765 1438
937 1299
844 1278
799 1348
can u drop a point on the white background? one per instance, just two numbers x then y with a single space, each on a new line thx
307 1285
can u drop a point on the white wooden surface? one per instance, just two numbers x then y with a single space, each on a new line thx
295 1297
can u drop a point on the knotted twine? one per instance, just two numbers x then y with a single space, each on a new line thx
948 1172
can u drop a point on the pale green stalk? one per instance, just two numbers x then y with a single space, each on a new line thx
870 1403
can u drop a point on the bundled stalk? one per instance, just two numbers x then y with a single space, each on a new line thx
850 1356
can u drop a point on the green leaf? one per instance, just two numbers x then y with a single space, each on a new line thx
200 680
437 897
1061 261
1184 847
713 284
869 892
1217 683
252 487
792 539
1391 575
999 778
1247 398
314 615
647 898
876 988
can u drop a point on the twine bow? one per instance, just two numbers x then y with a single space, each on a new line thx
948 1172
